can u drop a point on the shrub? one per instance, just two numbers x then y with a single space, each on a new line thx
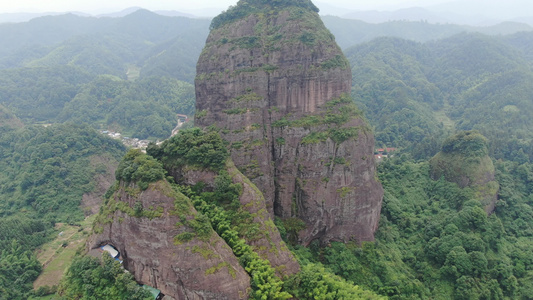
193 147
470 143
245 8
139 168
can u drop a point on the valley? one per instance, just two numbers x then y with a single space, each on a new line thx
258 177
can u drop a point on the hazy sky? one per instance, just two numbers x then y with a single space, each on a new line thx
9 6
499 9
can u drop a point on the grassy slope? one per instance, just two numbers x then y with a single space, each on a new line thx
55 257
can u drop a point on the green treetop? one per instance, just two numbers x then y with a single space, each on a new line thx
468 143
247 7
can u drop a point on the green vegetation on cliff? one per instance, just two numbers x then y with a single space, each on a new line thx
139 168
221 207
466 143
464 160
220 204
435 241
245 8
193 147
265 283
338 112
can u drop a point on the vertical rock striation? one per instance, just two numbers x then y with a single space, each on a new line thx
195 268
275 83
264 237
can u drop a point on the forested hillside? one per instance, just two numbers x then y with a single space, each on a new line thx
53 75
48 65
67 70
105 45
421 86
39 94
145 108
350 32
435 240
45 173
415 93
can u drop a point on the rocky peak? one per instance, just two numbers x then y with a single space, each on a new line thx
245 8
464 160
274 82
163 241
207 168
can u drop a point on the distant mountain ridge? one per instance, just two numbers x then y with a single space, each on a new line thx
472 12
27 16
144 44
430 16
349 32
414 92
406 14
34 36
133 38
416 83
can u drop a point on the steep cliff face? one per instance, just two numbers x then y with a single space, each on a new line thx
464 160
257 227
272 78
166 244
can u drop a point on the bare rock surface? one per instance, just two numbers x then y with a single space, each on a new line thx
275 83
201 268
264 236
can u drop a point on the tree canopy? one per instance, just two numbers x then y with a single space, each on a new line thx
247 7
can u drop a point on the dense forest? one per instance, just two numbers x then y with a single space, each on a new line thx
49 66
415 94
64 78
56 78
45 173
